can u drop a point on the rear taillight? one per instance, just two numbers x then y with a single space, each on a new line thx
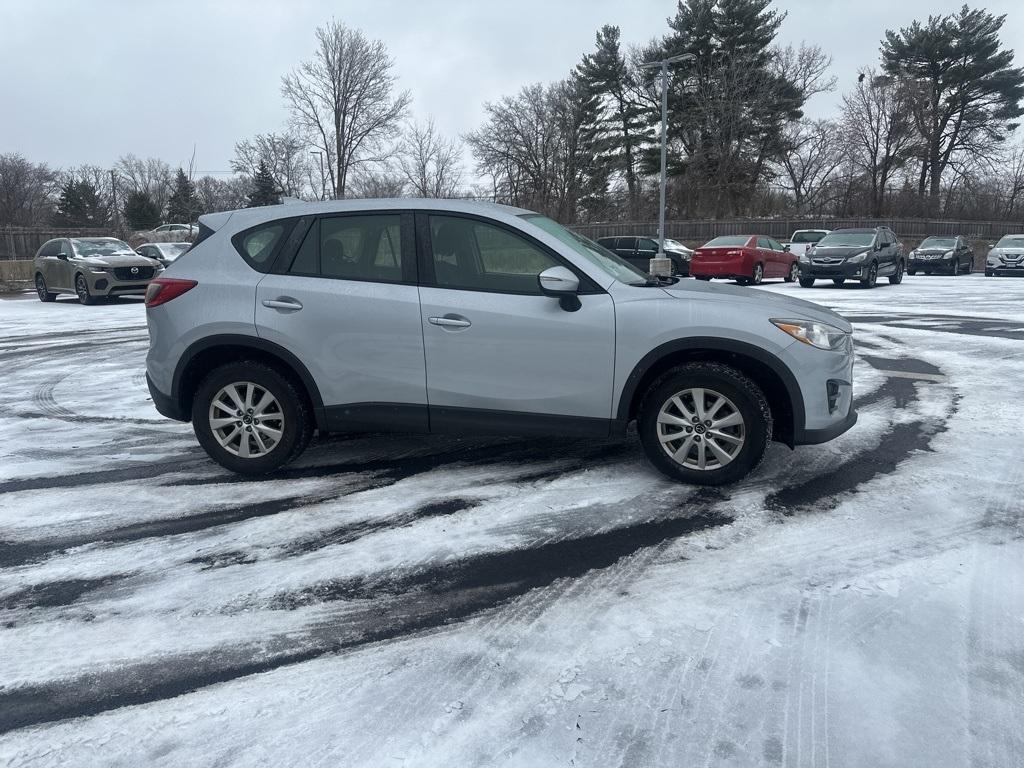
163 289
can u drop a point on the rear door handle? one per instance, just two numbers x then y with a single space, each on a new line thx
450 321
283 302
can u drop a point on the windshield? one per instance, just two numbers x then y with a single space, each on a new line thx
807 237
100 246
727 240
173 249
675 244
597 255
847 239
938 242
1011 241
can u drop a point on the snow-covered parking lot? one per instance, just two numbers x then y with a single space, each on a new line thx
419 601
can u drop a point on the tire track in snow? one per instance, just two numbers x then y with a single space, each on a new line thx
427 599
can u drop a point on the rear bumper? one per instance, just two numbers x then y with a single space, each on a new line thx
165 404
730 269
930 265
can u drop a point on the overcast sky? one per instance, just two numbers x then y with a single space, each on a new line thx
85 81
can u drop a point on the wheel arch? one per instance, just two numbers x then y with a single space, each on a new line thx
208 353
778 383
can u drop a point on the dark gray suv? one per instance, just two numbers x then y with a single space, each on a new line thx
854 254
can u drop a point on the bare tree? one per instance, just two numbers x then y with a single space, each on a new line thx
342 98
284 154
221 194
806 67
879 126
814 152
431 164
150 175
378 180
26 191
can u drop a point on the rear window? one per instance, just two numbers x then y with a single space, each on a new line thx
807 237
726 241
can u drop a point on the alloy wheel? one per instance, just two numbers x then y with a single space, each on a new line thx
701 429
758 274
41 287
246 419
82 289
794 272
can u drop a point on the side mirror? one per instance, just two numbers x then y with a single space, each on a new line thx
786 247
63 256
563 285
558 282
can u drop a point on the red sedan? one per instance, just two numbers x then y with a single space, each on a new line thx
746 258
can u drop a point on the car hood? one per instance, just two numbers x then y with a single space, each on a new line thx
1007 251
775 305
117 260
931 251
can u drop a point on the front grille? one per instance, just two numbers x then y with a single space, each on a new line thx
140 273
827 260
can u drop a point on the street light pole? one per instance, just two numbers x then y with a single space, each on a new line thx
661 264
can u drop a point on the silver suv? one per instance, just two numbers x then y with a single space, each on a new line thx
463 317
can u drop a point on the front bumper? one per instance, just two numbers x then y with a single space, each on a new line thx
1004 270
107 284
825 380
831 271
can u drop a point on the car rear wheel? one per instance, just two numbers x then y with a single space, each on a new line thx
794 273
898 277
758 274
82 291
807 282
250 418
42 291
705 423
871 278
703 277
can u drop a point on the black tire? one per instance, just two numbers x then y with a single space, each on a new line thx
911 272
838 281
42 292
706 278
898 277
954 271
807 282
794 273
295 409
870 280
82 290
718 379
758 275
970 267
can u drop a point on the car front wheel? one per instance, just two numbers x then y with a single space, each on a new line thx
705 423
794 273
42 291
250 418
82 290
871 278
807 282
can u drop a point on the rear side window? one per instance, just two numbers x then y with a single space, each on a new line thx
626 243
50 249
762 242
352 248
259 245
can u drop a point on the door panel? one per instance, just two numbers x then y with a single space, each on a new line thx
361 341
62 270
519 353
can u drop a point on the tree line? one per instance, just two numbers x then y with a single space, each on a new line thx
924 131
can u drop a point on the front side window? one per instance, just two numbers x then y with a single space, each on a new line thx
775 244
610 263
352 248
762 242
479 256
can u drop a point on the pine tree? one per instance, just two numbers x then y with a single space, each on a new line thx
264 188
183 204
140 211
623 127
80 206
967 92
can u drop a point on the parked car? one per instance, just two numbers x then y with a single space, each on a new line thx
165 253
165 233
639 251
802 239
91 268
746 258
941 254
466 317
1006 259
854 254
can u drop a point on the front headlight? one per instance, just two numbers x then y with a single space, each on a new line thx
98 270
913 253
858 258
947 255
820 335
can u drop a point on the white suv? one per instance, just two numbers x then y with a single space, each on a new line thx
464 317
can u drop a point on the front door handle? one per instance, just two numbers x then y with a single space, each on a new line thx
283 302
450 321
